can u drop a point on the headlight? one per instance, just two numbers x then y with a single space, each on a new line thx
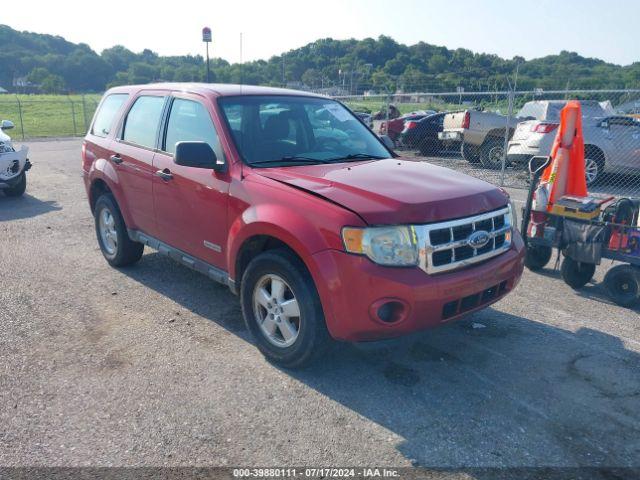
391 246
513 214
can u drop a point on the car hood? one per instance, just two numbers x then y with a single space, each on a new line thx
393 191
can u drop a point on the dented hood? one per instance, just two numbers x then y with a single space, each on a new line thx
393 191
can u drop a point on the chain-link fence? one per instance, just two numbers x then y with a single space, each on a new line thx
48 115
488 134
492 135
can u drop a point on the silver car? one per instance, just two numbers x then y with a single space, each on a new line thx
612 143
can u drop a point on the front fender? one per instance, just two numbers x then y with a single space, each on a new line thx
285 224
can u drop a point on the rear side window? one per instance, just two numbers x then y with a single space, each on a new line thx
190 121
106 114
141 124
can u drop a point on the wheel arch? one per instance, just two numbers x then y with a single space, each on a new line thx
254 246
496 134
104 179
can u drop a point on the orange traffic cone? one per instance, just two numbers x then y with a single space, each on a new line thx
565 174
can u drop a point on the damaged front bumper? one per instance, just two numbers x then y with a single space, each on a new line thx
12 166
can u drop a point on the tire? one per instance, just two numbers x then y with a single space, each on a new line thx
594 169
271 280
469 153
116 246
622 283
537 257
19 188
491 153
576 274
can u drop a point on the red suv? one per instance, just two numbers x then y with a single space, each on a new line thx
291 201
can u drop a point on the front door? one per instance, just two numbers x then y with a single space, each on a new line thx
191 203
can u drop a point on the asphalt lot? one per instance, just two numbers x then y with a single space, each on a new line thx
152 365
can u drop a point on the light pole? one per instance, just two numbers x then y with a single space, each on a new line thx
206 38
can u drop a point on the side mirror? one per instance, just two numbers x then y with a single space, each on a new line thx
197 155
538 164
387 142
6 125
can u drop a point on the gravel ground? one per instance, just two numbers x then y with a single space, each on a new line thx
152 366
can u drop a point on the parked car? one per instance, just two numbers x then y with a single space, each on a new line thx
612 143
422 134
289 200
396 126
480 135
14 164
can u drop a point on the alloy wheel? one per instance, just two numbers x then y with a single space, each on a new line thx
108 232
276 310
592 170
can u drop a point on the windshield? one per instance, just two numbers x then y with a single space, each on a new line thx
287 130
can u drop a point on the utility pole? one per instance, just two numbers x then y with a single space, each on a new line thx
284 79
206 38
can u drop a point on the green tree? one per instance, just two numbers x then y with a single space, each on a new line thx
53 84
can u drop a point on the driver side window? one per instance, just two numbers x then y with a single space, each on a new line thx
190 121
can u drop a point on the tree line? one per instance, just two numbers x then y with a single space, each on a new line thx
352 66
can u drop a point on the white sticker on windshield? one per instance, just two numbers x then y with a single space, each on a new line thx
338 111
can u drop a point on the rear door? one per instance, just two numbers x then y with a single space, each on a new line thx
132 154
191 204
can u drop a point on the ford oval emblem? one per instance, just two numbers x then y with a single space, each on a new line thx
478 239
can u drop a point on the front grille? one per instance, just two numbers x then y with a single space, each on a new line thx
447 244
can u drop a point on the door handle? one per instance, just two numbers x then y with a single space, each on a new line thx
117 159
165 174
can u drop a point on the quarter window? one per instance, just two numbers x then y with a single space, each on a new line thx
141 125
106 114
189 121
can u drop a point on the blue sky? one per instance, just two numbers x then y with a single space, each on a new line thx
602 29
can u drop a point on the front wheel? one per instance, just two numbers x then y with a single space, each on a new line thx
282 309
536 257
116 246
19 188
593 170
576 274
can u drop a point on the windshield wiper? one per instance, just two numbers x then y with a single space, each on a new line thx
359 156
292 159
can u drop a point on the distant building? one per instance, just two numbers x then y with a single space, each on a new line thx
2 90
22 85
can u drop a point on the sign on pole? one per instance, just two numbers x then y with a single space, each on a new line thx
206 34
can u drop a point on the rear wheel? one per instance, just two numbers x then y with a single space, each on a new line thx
116 246
282 309
491 153
19 188
537 257
623 285
576 274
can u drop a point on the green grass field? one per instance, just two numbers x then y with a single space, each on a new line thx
48 115
70 115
